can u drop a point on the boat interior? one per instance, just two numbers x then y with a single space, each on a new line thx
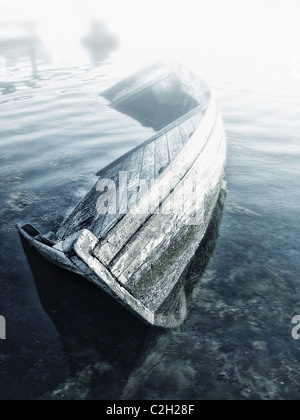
159 95
173 105
160 104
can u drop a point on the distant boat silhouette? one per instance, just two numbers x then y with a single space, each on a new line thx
100 42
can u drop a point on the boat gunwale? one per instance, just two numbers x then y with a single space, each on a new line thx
106 242
217 124
179 121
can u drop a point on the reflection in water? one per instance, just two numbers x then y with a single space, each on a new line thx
109 351
190 286
100 42
7 88
101 339
18 42
236 343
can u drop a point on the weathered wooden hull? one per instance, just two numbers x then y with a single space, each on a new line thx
136 231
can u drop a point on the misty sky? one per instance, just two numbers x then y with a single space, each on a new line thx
216 24
250 39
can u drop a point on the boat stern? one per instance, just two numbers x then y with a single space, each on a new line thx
52 252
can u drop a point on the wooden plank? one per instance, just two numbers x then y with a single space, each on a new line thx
106 216
196 119
186 193
85 215
123 186
176 123
175 143
147 172
156 286
154 243
162 157
134 176
112 218
130 224
187 130
116 240
128 179
81 215
83 249
156 235
131 175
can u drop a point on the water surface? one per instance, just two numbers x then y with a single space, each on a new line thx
66 339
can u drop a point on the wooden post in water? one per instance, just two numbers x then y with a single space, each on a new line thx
32 42
32 52
20 36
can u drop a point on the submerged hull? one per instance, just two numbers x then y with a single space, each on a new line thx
136 231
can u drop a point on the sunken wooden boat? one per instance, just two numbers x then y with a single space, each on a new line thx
136 231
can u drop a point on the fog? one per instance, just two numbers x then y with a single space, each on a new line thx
231 25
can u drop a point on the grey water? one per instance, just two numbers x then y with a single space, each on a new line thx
68 340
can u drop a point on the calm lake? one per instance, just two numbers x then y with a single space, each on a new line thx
67 339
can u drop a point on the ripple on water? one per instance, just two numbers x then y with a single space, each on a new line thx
236 342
